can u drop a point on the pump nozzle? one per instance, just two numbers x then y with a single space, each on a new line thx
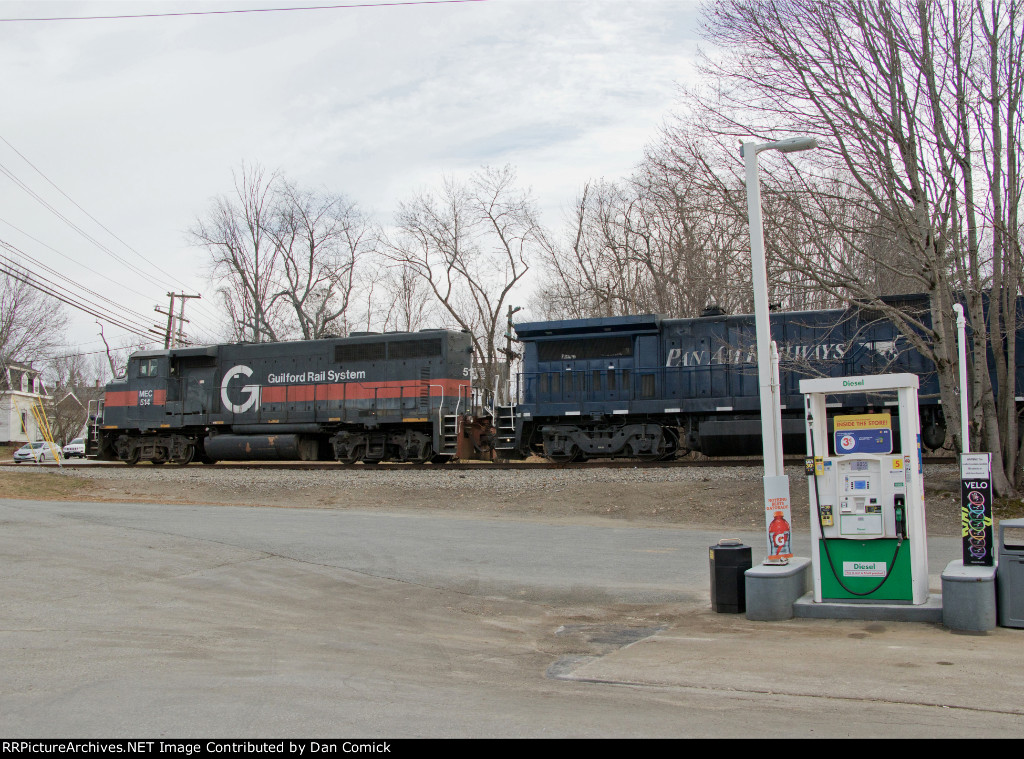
900 511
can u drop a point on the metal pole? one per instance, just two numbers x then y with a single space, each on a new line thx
961 334
777 410
761 324
776 484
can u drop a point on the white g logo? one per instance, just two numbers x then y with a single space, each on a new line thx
252 390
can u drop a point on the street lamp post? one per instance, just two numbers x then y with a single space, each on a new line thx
776 484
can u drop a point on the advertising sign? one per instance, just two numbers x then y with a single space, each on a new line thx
863 433
777 519
976 509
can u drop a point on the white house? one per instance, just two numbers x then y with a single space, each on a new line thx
21 387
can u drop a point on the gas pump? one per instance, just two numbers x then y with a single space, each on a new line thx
866 499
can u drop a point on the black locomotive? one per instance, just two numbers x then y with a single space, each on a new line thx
369 397
650 387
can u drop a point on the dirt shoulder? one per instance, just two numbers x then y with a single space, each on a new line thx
722 498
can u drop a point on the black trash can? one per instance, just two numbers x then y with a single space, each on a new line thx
729 560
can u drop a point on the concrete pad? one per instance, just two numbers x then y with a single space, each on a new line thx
892 662
771 589
930 611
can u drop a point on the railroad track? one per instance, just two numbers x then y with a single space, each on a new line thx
471 465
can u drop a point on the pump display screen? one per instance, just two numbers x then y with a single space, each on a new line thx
859 484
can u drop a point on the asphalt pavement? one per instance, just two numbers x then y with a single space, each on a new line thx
136 620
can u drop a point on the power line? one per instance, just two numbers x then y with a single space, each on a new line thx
26 278
69 258
39 199
97 353
132 322
40 265
245 10
53 184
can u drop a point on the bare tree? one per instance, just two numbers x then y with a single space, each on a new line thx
320 239
69 390
593 273
287 258
662 241
918 106
471 243
243 254
409 304
116 357
31 323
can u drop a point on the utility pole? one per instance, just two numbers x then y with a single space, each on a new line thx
181 315
169 341
170 320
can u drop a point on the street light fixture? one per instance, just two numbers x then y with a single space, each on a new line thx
776 484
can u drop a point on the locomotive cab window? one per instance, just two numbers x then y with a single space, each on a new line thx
585 348
148 367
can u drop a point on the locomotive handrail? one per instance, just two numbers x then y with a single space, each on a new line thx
440 407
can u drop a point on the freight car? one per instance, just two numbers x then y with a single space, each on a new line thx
650 387
369 398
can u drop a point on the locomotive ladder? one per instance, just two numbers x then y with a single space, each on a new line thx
450 435
505 428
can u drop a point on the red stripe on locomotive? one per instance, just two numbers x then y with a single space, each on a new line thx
122 398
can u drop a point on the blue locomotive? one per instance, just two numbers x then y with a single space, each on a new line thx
369 398
651 387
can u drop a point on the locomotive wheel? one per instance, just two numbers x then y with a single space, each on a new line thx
665 449
186 458
133 459
671 445
423 455
353 456
565 458
571 454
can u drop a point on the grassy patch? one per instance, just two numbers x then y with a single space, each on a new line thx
1008 508
29 481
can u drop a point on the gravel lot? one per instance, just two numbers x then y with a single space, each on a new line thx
693 497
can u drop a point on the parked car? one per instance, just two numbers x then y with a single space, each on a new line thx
75 448
35 452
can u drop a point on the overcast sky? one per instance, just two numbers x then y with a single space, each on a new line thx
141 121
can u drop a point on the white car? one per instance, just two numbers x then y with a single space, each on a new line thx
35 452
75 448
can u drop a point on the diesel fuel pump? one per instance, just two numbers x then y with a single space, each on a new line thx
866 496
